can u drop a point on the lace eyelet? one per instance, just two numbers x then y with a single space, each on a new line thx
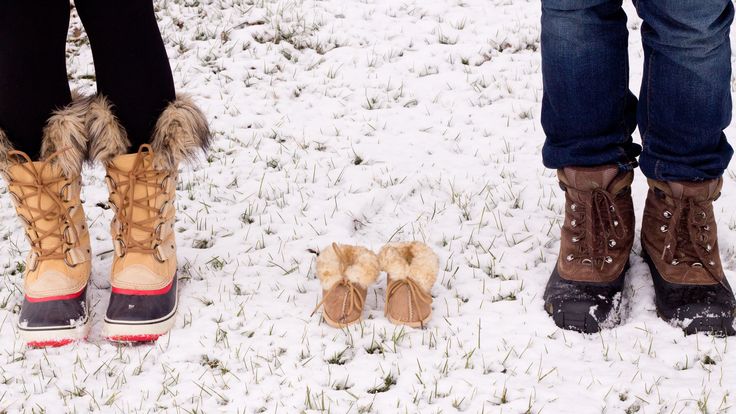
575 239
608 259
615 223
675 262
15 198
68 260
612 208
32 261
165 182
664 228
570 258
119 247
708 248
612 243
573 223
64 192
667 214
159 254
573 207
111 186
67 235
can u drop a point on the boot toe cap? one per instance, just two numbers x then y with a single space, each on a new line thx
580 306
58 313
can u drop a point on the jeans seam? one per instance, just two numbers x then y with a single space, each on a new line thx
645 134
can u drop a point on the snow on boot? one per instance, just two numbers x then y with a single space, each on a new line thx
680 244
142 189
46 195
587 283
412 270
345 273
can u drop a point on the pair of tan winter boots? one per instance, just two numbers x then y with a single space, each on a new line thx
346 272
142 189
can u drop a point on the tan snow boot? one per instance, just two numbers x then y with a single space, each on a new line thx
46 195
142 189
412 270
345 272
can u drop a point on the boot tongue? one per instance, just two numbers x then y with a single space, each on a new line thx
589 178
698 191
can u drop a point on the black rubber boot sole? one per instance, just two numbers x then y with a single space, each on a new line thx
582 306
57 321
140 316
696 308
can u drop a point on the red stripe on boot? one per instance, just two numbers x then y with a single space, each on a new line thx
138 292
51 298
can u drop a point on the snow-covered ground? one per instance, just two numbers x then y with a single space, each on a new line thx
363 121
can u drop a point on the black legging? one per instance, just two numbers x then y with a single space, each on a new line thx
131 65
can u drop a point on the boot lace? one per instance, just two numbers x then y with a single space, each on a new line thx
41 189
416 294
689 238
354 300
154 181
597 228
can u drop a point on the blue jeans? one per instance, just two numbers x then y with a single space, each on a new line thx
588 111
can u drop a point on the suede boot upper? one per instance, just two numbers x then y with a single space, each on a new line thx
143 227
48 203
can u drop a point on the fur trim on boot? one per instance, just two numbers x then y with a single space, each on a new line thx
412 260
181 131
5 146
107 137
358 264
65 131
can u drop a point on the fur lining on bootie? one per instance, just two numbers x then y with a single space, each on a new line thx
180 133
412 260
358 264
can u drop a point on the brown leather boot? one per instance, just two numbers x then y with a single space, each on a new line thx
142 188
680 244
345 272
46 195
412 270
586 285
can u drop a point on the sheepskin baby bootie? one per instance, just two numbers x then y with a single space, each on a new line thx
345 273
412 270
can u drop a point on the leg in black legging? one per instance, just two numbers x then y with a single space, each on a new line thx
33 79
131 65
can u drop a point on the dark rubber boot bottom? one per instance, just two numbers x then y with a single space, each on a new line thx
583 306
695 308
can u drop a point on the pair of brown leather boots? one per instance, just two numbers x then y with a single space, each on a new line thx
142 189
346 272
679 243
